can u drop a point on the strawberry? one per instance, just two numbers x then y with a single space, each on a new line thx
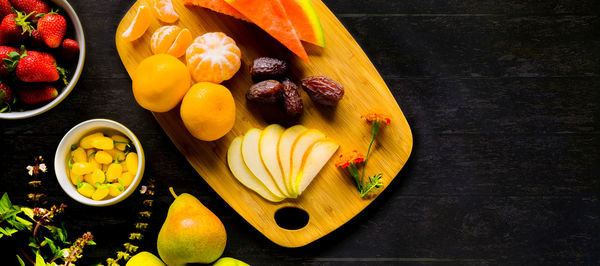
37 67
53 28
6 94
37 93
69 49
7 52
35 40
14 28
5 8
28 6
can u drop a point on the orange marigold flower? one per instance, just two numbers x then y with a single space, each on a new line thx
353 157
371 117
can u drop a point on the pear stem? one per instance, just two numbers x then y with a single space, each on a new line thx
172 192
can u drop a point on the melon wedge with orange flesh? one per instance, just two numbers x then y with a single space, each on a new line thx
219 6
272 18
305 21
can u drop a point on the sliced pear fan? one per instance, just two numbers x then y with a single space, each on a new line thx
243 174
279 163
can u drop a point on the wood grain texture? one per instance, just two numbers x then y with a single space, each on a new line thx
331 200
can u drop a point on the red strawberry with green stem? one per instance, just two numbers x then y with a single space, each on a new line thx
28 6
52 28
37 93
38 67
6 98
15 28
5 8
6 64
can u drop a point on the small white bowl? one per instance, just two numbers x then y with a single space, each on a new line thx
64 5
73 137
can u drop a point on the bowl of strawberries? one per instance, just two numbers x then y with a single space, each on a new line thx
42 52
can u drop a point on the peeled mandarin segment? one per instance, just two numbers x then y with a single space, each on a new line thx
81 168
103 157
163 38
103 143
114 189
182 42
79 155
122 142
100 193
165 11
127 178
132 162
139 24
113 172
213 57
86 189
86 142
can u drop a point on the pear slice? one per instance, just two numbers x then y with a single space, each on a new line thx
269 140
314 161
251 155
302 145
284 150
243 174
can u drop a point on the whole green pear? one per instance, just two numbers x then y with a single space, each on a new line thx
144 259
191 233
227 261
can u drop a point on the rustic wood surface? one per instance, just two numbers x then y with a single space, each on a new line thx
331 198
503 101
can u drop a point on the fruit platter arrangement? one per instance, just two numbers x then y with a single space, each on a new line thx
272 102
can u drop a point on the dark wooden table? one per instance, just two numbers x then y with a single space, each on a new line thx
503 98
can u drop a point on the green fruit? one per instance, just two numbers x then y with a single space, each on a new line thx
191 233
226 261
144 259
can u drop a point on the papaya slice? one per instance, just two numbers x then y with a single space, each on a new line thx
219 6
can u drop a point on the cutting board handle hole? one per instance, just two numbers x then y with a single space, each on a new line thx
291 218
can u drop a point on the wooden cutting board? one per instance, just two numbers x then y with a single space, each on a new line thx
332 199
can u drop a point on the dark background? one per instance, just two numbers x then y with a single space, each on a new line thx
503 98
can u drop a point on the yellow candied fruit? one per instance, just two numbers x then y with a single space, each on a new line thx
86 189
127 178
116 154
89 152
79 155
113 172
104 167
103 157
132 162
119 138
76 179
98 177
100 193
103 143
115 189
86 142
81 168
94 164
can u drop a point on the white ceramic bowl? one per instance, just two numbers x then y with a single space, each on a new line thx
64 5
73 137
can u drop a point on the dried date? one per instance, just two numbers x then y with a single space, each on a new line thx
264 68
291 98
323 90
268 91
